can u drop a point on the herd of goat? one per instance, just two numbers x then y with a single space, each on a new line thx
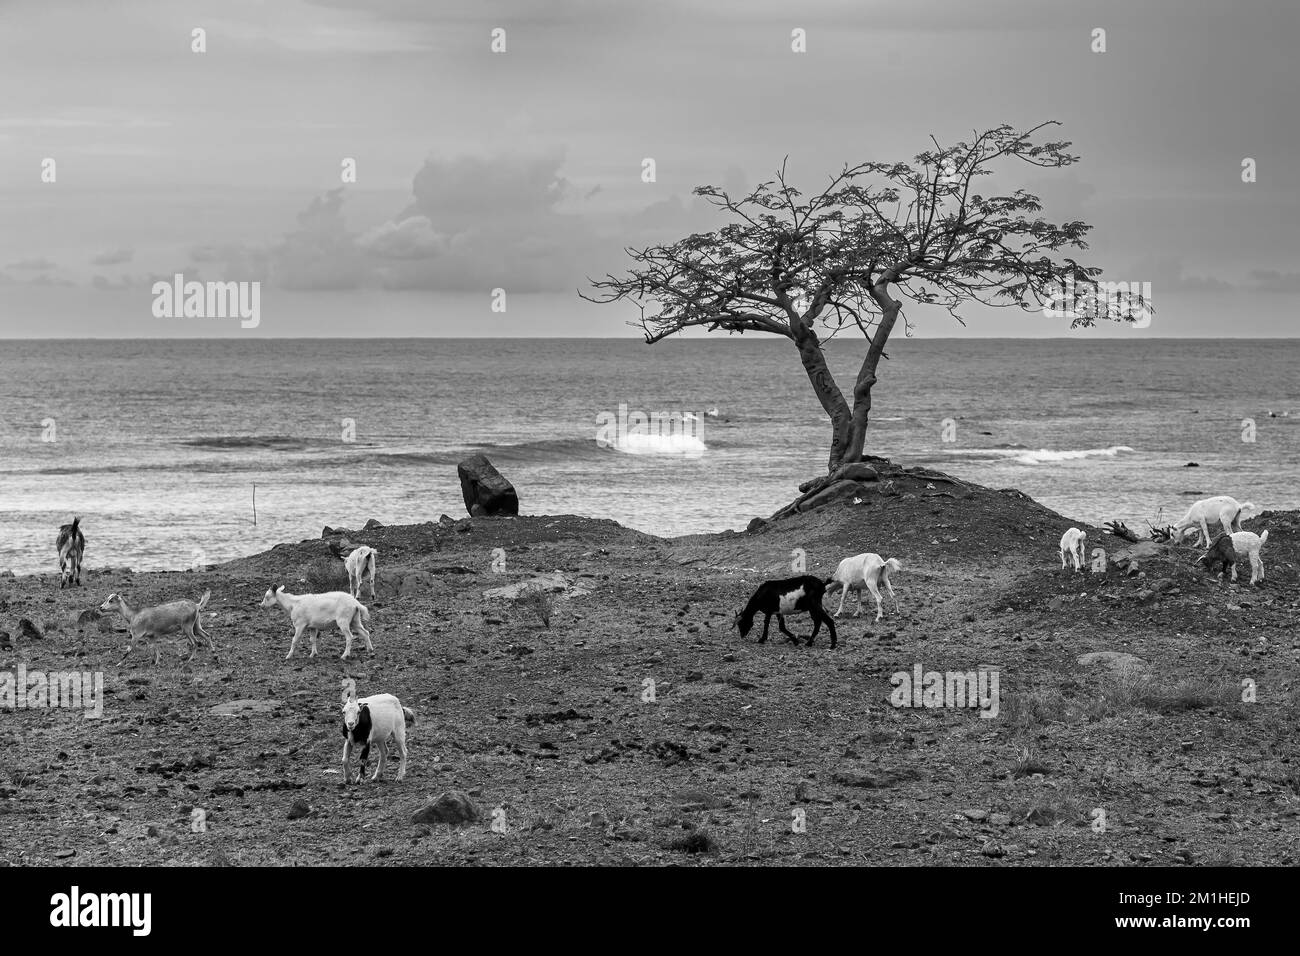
381 718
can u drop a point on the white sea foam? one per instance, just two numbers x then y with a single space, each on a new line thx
1026 456
654 444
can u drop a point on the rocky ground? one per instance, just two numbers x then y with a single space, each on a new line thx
1121 738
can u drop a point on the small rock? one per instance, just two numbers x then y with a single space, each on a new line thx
452 807
299 809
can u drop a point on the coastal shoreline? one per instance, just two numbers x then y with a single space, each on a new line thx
548 729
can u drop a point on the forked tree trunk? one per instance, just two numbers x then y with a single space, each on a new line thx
866 379
828 393
848 425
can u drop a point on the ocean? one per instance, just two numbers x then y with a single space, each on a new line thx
161 446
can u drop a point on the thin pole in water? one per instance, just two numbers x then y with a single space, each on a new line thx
254 504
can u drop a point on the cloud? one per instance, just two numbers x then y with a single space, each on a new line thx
412 238
113 257
1270 280
33 265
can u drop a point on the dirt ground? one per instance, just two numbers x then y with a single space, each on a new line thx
747 754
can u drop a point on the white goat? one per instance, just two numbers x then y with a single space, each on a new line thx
1073 544
374 720
864 570
1220 508
361 563
154 622
1247 544
311 612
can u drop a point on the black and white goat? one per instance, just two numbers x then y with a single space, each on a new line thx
801 595
71 544
1227 548
374 720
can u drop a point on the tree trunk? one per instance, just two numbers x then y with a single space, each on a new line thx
828 393
867 378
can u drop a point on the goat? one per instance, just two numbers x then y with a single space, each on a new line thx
159 621
1072 543
1227 549
71 544
373 720
1221 508
864 570
787 596
315 611
361 563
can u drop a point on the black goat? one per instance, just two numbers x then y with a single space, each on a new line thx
788 596
1221 558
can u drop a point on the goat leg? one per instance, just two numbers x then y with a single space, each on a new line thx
780 622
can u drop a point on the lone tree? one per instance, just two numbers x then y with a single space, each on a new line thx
808 269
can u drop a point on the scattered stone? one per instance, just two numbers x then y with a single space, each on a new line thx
452 807
28 631
298 809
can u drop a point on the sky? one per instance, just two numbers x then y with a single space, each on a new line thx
522 170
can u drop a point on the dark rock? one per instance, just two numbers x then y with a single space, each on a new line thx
372 525
299 809
755 524
485 490
835 491
452 807
29 631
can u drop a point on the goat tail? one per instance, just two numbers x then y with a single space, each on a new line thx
894 565
409 715
1263 538
203 601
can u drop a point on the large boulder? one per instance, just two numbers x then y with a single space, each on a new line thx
485 490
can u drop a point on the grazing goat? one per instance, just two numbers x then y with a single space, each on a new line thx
1072 543
311 612
155 622
864 570
71 544
1227 549
787 596
361 563
1220 508
374 720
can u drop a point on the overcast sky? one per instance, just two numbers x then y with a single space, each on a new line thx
522 170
